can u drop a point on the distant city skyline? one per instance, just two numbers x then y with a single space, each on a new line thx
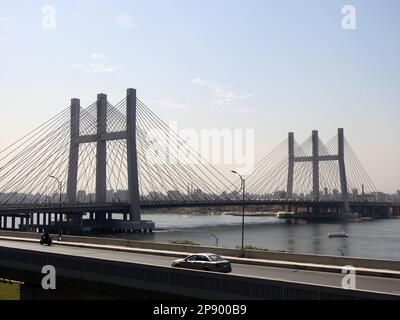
175 195
270 66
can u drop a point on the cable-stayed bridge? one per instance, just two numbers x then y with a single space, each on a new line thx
108 159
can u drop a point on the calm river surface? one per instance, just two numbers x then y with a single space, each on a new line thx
371 239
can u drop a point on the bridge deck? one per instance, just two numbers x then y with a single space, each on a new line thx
124 207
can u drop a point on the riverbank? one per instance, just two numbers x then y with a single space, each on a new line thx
252 214
233 210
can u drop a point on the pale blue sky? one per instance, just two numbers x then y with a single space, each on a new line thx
273 66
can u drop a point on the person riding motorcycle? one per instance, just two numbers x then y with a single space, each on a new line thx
46 239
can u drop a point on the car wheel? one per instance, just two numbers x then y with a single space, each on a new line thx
206 269
177 266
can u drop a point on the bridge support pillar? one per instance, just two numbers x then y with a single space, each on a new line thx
133 179
101 157
289 193
342 171
315 161
73 151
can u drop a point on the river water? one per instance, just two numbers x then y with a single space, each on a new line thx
379 239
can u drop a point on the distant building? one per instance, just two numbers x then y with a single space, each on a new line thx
279 194
121 196
154 196
198 194
81 196
381 197
110 195
174 195
335 193
91 197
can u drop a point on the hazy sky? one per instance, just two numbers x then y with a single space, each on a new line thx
273 66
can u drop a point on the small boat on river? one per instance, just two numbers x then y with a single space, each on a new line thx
338 235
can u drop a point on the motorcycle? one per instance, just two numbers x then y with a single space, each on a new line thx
45 239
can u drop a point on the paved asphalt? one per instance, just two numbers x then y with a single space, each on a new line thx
377 284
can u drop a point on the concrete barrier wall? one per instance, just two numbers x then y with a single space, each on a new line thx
274 256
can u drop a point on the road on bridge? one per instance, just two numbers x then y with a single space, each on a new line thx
377 284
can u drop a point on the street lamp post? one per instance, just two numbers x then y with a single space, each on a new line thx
59 187
216 239
242 188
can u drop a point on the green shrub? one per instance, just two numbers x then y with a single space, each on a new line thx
254 248
250 247
184 242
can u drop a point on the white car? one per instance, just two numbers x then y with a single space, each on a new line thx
205 262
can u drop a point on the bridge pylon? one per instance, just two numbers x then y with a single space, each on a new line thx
316 159
101 138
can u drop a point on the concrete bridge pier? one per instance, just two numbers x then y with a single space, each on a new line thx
288 208
383 212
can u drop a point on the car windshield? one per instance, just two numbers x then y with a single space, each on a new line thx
216 258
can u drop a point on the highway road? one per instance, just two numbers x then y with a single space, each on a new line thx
377 284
